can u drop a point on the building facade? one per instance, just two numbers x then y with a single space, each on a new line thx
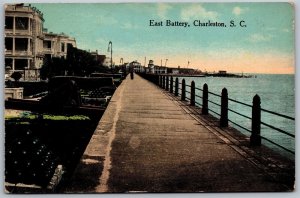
155 69
27 45
137 67
23 37
55 45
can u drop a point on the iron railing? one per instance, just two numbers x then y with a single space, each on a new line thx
168 83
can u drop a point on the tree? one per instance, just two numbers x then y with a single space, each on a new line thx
77 63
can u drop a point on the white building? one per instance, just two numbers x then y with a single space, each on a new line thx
55 45
23 38
137 67
26 44
155 69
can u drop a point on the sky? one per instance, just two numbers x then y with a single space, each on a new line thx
265 45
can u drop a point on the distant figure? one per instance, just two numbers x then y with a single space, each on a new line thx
131 73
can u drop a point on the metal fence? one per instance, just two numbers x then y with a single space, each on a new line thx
181 89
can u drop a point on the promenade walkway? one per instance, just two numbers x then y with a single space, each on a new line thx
148 142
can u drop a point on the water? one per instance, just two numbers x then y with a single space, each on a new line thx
277 93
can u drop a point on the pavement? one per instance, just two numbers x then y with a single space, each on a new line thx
149 141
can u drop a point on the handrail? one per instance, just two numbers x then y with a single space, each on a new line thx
240 102
239 114
240 126
214 112
214 103
277 145
199 89
277 129
197 103
278 114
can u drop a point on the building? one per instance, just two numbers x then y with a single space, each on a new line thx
151 67
155 69
23 38
55 45
99 58
27 42
172 70
160 69
137 67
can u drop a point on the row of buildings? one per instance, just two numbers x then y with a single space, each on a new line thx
155 69
28 43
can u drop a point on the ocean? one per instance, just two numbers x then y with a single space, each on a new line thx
277 94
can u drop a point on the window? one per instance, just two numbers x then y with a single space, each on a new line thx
9 22
8 43
21 44
21 23
63 47
47 44
20 64
8 63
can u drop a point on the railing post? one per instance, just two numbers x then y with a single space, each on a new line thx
192 102
224 108
159 81
167 83
183 89
205 100
163 82
171 85
255 139
176 86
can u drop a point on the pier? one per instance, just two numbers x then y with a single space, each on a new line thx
149 140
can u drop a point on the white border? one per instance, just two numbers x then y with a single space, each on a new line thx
296 193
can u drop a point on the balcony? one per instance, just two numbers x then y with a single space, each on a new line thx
40 54
22 53
8 52
23 32
48 50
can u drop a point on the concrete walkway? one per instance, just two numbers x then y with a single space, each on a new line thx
148 142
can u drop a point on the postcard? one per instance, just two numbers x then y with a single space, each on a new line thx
164 97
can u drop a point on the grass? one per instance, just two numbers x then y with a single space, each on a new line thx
30 116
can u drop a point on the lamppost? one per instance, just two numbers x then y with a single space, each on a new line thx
110 44
166 62
123 67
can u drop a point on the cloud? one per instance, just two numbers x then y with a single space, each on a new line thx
254 38
238 10
162 10
197 11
